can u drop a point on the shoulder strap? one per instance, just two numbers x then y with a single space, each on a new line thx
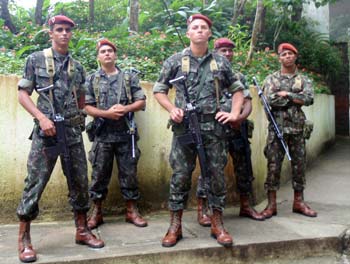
185 64
214 70
127 84
50 67
95 86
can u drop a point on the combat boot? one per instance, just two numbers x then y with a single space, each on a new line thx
83 234
174 233
202 217
271 208
132 214
218 231
26 253
248 211
96 219
300 207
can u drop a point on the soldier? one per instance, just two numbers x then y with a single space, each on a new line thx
206 96
287 91
112 97
242 165
68 96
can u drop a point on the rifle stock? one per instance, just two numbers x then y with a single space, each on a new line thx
271 118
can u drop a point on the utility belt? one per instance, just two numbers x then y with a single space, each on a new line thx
203 118
77 120
285 107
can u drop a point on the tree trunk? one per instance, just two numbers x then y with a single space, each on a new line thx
5 15
237 10
297 11
134 15
39 12
91 13
256 28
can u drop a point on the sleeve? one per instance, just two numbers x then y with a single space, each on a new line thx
234 83
306 94
90 98
270 88
162 85
27 82
136 90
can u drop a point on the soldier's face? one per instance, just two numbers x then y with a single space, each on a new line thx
61 34
287 58
226 51
198 31
106 55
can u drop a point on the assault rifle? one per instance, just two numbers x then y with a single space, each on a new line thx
60 148
271 118
193 133
246 146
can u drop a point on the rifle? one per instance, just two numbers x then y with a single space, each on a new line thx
272 119
247 150
193 133
60 148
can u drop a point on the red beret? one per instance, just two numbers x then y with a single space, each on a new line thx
286 46
61 19
223 42
199 16
103 42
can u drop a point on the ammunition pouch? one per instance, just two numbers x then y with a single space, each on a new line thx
77 120
250 128
308 128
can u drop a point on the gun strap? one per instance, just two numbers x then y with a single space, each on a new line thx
95 84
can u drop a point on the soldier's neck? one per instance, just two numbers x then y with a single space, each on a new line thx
109 69
63 50
199 50
288 70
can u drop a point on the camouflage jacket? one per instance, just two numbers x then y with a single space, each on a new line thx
111 91
204 97
35 76
289 116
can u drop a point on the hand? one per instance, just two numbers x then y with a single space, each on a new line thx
225 117
176 114
116 111
282 93
47 126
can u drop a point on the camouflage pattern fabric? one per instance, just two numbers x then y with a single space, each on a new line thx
39 166
291 120
114 139
182 158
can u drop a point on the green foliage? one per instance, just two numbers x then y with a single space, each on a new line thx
158 38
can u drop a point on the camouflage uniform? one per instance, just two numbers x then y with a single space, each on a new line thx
183 158
237 152
291 120
114 139
40 166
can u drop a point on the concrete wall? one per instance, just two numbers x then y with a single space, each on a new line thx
154 170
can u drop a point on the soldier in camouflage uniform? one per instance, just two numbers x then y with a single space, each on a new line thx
68 96
287 91
113 96
236 146
201 88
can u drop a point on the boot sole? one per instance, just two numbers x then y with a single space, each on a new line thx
131 222
228 244
89 245
251 217
29 260
298 212
172 244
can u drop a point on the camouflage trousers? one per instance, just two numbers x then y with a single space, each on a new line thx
240 163
183 162
101 157
40 168
275 153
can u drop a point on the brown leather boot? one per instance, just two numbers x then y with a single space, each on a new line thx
271 208
202 217
218 231
300 207
132 214
248 211
26 253
96 219
174 233
83 234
